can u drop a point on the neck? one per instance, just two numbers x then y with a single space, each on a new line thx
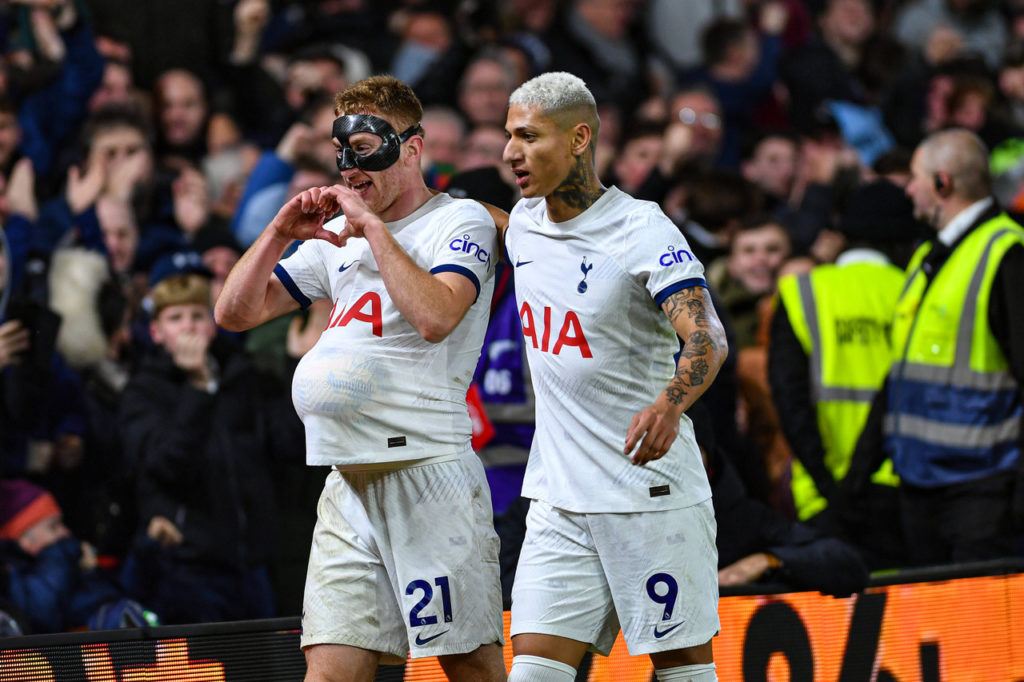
407 202
577 193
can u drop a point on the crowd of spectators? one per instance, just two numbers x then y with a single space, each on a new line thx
145 145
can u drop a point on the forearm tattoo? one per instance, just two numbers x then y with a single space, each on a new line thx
581 188
704 348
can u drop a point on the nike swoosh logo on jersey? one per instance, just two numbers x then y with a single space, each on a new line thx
343 268
421 641
659 635
522 262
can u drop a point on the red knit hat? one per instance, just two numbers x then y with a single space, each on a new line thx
22 505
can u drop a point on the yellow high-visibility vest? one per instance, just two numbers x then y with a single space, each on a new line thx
841 314
954 409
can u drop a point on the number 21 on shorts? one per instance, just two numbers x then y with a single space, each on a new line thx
415 620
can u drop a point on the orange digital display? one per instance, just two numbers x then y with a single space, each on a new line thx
966 629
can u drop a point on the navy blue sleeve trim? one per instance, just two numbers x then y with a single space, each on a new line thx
464 271
679 286
290 285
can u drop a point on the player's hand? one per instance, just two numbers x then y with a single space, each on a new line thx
358 215
746 570
655 428
304 215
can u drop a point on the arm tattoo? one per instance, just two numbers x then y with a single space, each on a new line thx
580 189
701 355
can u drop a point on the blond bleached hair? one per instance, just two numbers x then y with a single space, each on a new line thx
178 290
381 95
560 96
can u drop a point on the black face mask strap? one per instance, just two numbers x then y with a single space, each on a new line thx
414 129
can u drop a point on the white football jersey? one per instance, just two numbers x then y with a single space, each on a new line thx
600 350
372 390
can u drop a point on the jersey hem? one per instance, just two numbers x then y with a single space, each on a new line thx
685 504
394 464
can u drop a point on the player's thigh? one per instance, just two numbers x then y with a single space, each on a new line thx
560 590
662 570
348 599
339 663
694 655
483 664
445 558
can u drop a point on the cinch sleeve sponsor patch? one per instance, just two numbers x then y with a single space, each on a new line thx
659 256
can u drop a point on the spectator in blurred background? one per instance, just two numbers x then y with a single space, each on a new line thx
756 544
829 355
50 575
748 273
200 432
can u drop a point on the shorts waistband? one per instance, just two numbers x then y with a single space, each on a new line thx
395 466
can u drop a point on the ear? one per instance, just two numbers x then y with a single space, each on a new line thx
156 332
580 139
415 148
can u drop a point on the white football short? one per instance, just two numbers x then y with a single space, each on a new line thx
656 572
405 560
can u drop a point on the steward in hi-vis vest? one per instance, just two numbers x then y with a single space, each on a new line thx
830 352
952 417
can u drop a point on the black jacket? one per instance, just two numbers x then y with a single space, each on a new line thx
204 459
810 561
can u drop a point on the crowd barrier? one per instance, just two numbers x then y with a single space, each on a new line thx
956 623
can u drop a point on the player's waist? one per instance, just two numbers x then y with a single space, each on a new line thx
397 464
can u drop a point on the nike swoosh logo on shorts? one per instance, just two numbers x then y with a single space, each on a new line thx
421 642
523 262
659 635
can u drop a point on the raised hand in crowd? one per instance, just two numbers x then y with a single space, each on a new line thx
21 191
163 532
675 148
189 352
124 175
191 200
83 189
773 17
297 140
251 17
14 340
304 332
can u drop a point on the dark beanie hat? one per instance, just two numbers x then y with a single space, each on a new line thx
22 505
212 236
880 213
